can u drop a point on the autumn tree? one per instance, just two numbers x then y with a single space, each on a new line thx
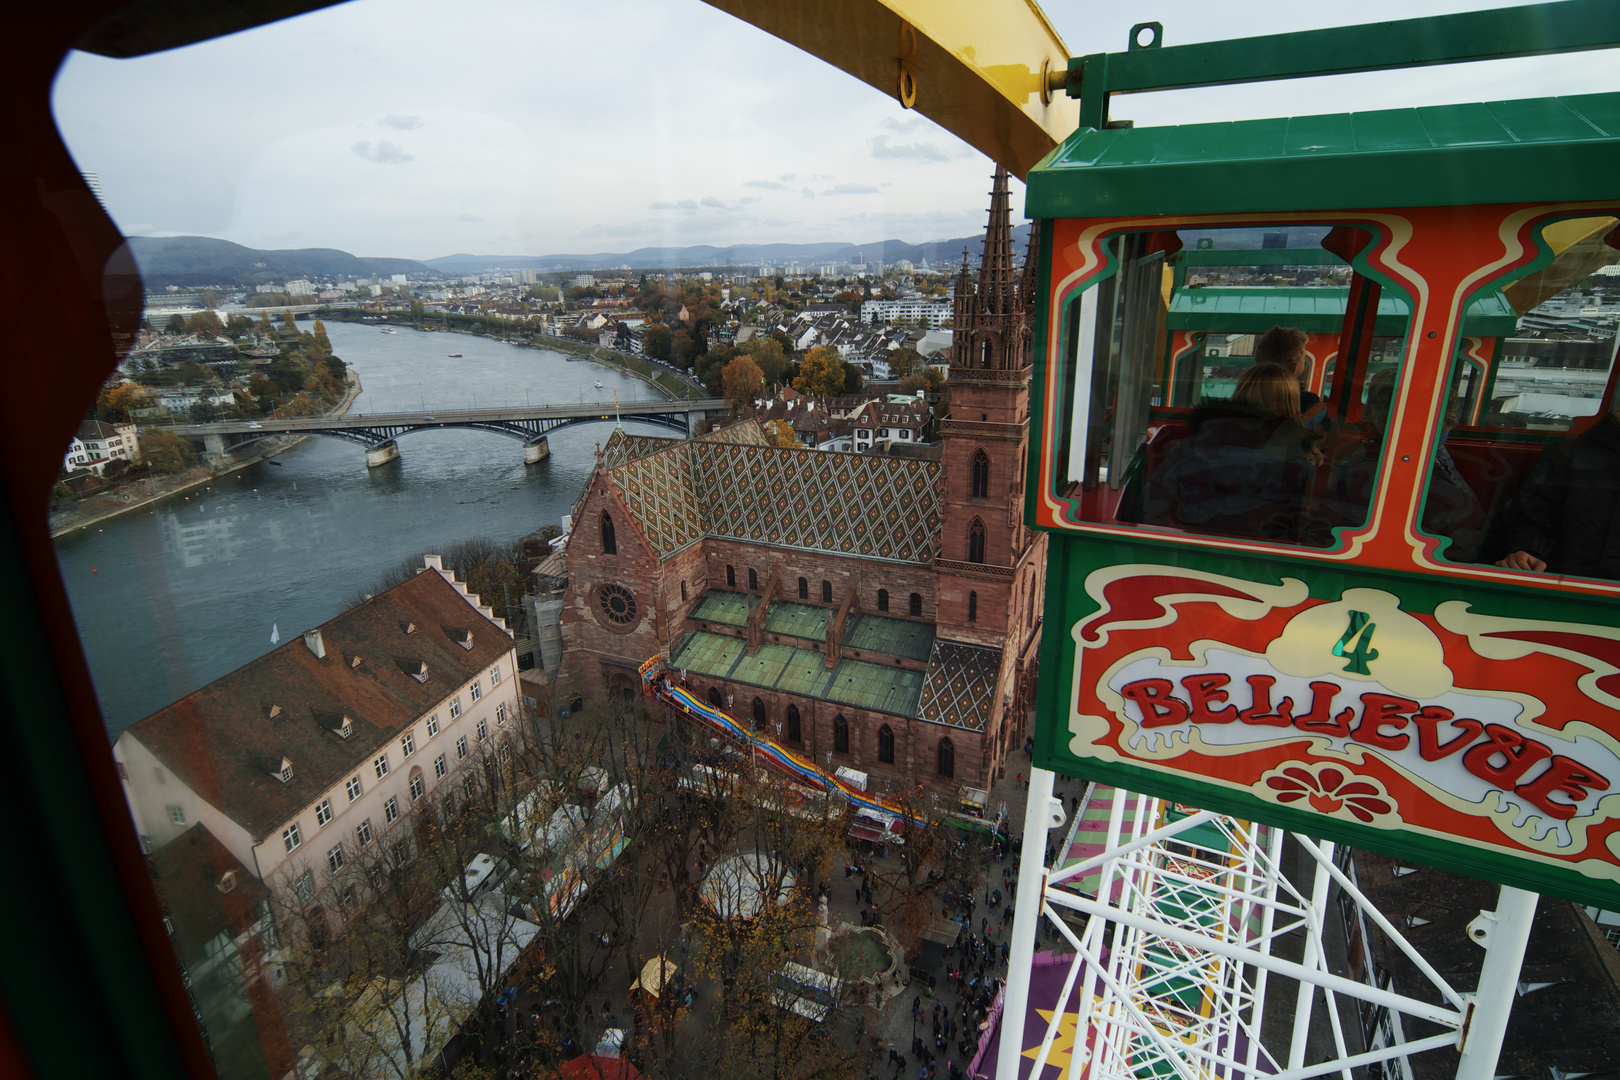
742 382
114 403
781 433
821 373
656 341
166 452
204 322
772 359
287 322
904 361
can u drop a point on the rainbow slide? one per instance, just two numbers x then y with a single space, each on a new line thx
656 684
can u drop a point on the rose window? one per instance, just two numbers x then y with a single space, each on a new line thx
618 604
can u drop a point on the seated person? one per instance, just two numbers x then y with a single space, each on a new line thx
1285 345
1566 519
1246 468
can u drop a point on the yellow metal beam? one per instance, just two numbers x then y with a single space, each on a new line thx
978 68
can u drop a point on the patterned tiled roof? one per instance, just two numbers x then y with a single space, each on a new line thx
885 508
959 686
622 446
746 432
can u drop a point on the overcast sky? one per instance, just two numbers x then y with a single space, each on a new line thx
416 128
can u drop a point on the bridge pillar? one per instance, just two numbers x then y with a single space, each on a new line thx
382 454
695 423
536 450
215 453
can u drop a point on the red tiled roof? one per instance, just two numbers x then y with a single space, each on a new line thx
597 1067
222 742
189 872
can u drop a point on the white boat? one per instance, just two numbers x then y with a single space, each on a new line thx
599 386
455 356
387 331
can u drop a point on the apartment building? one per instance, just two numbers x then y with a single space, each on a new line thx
325 746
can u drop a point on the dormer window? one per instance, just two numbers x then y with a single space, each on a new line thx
346 728
285 772
408 627
354 661
273 711
460 636
227 881
416 669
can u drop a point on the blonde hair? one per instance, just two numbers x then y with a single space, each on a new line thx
1271 389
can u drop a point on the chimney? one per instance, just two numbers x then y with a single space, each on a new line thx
312 638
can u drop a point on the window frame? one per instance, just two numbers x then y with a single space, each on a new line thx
379 765
292 838
353 788
323 813
391 809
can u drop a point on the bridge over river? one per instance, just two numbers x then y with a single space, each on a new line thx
379 432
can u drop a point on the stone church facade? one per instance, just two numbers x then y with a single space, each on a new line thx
874 612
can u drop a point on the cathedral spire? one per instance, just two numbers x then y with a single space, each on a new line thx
997 286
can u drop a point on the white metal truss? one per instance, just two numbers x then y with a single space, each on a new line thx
1172 965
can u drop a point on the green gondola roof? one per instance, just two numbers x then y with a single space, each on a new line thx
1254 310
1531 150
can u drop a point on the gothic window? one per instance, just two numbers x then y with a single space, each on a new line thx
947 758
683 591
916 605
976 541
714 697
841 735
826 592
731 576
984 353
794 732
883 599
610 545
804 589
886 744
979 487
753 581
973 607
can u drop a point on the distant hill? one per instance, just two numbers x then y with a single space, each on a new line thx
193 261
190 261
936 252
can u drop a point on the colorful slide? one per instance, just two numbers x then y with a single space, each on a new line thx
657 684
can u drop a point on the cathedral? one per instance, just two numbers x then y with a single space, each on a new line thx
877 613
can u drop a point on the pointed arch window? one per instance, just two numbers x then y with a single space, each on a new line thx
973 607
979 484
886 744
804 589
883 599
916 605
759 714
984 353
976 541
840 734
714 697
826 592
947 758
610 543
794 727
731 576
753 580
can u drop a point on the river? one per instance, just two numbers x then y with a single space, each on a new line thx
174 595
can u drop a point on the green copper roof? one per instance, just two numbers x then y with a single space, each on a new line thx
1254 310
1444 155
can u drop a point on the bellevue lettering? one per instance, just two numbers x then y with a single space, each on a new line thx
1497 754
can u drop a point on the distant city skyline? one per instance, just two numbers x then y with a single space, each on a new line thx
511 131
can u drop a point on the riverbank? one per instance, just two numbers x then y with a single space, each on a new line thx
134 494
670 383
658 377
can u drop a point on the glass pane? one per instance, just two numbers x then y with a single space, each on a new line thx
1245 327
1522 477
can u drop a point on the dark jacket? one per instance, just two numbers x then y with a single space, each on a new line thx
1568 513
1237 474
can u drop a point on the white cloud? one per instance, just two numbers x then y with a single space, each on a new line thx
384 153
493 129
710 200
